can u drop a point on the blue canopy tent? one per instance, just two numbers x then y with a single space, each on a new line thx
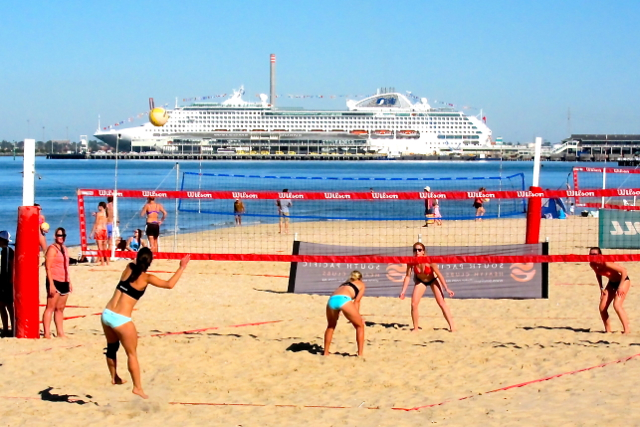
554 208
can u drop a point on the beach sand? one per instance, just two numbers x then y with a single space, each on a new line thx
254 358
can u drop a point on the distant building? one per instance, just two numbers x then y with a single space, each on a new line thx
613 145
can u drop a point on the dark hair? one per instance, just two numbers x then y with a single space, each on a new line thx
103 204
109 199
60 229
139 235
286 190
596 248
143 261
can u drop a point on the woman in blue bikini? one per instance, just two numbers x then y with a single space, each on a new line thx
425 275
346 299
116 317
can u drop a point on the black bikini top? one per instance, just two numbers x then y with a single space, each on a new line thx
125 287
354 287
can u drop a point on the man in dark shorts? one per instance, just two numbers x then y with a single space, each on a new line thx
428 208
6 283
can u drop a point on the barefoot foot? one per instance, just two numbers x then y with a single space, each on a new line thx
117 380
139 392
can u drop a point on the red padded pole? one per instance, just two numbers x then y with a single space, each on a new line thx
534 216
25 288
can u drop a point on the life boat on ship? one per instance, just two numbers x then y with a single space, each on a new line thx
382 133
359 132
408 133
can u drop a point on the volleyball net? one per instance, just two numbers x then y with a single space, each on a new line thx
352 217
625 180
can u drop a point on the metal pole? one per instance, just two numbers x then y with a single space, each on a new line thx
536 162
175 224
114 226
604 182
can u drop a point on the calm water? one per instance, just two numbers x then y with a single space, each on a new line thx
57 181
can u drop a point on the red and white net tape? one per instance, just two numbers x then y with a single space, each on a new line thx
340 195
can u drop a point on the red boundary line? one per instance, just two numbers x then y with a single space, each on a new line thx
164 334
602 365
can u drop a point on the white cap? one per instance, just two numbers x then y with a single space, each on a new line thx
427 189
5 235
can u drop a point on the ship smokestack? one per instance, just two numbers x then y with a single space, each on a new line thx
272 91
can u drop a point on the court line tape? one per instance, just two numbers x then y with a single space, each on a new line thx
68 306
164 334
526 383
78 317
276 406
417 408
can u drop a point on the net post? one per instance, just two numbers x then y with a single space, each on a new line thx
604 183
545 271
534 216
294 267
27 253
576 200
175 222
83 223
420 238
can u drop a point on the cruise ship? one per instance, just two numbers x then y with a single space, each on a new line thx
387 123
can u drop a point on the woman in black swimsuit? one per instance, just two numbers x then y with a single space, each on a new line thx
616 290
116 317
152 211
426 275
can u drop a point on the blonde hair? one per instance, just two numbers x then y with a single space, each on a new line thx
355 275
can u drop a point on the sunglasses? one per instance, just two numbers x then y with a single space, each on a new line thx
61 235
418 250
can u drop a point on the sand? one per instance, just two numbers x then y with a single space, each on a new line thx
254 358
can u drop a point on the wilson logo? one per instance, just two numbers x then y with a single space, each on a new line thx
384 196
244 195
571 193
623 192
290 196
108 193
432 196
199 195
153 194
529 194
336 196
481 195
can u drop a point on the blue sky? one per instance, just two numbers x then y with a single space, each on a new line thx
524 63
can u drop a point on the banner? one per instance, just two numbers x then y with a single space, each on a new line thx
492 281
618 229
